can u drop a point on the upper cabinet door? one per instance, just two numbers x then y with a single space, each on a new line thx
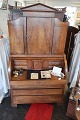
59 37
16 36
38 32
39 35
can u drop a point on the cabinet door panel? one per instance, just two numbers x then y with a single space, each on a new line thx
39 35
16 36
59 37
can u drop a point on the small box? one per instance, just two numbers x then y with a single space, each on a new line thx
45 74
34 76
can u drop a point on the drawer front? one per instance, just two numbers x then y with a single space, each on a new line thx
38 84
38 92
37 99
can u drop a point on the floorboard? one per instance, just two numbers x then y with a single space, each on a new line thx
11 113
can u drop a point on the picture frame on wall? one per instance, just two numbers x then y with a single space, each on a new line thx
78 15
4 5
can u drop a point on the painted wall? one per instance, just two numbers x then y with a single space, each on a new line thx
3 21
53 3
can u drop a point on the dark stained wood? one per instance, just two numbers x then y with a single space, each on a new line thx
37 41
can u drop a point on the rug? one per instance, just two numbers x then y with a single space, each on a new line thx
39 112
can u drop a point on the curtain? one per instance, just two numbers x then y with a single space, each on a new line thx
4 57
75 62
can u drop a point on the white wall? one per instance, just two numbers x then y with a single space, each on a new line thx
53 3
3 21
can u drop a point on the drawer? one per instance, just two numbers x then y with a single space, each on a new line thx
38 92
37 99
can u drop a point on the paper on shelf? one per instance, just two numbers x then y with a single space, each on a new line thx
57 71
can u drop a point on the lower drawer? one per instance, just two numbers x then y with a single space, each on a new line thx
37 99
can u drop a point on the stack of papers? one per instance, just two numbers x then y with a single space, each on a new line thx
57 72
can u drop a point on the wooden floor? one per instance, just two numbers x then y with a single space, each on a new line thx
10 113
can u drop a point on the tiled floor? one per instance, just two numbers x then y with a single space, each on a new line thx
10 113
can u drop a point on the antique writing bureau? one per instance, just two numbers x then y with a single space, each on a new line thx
37 42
